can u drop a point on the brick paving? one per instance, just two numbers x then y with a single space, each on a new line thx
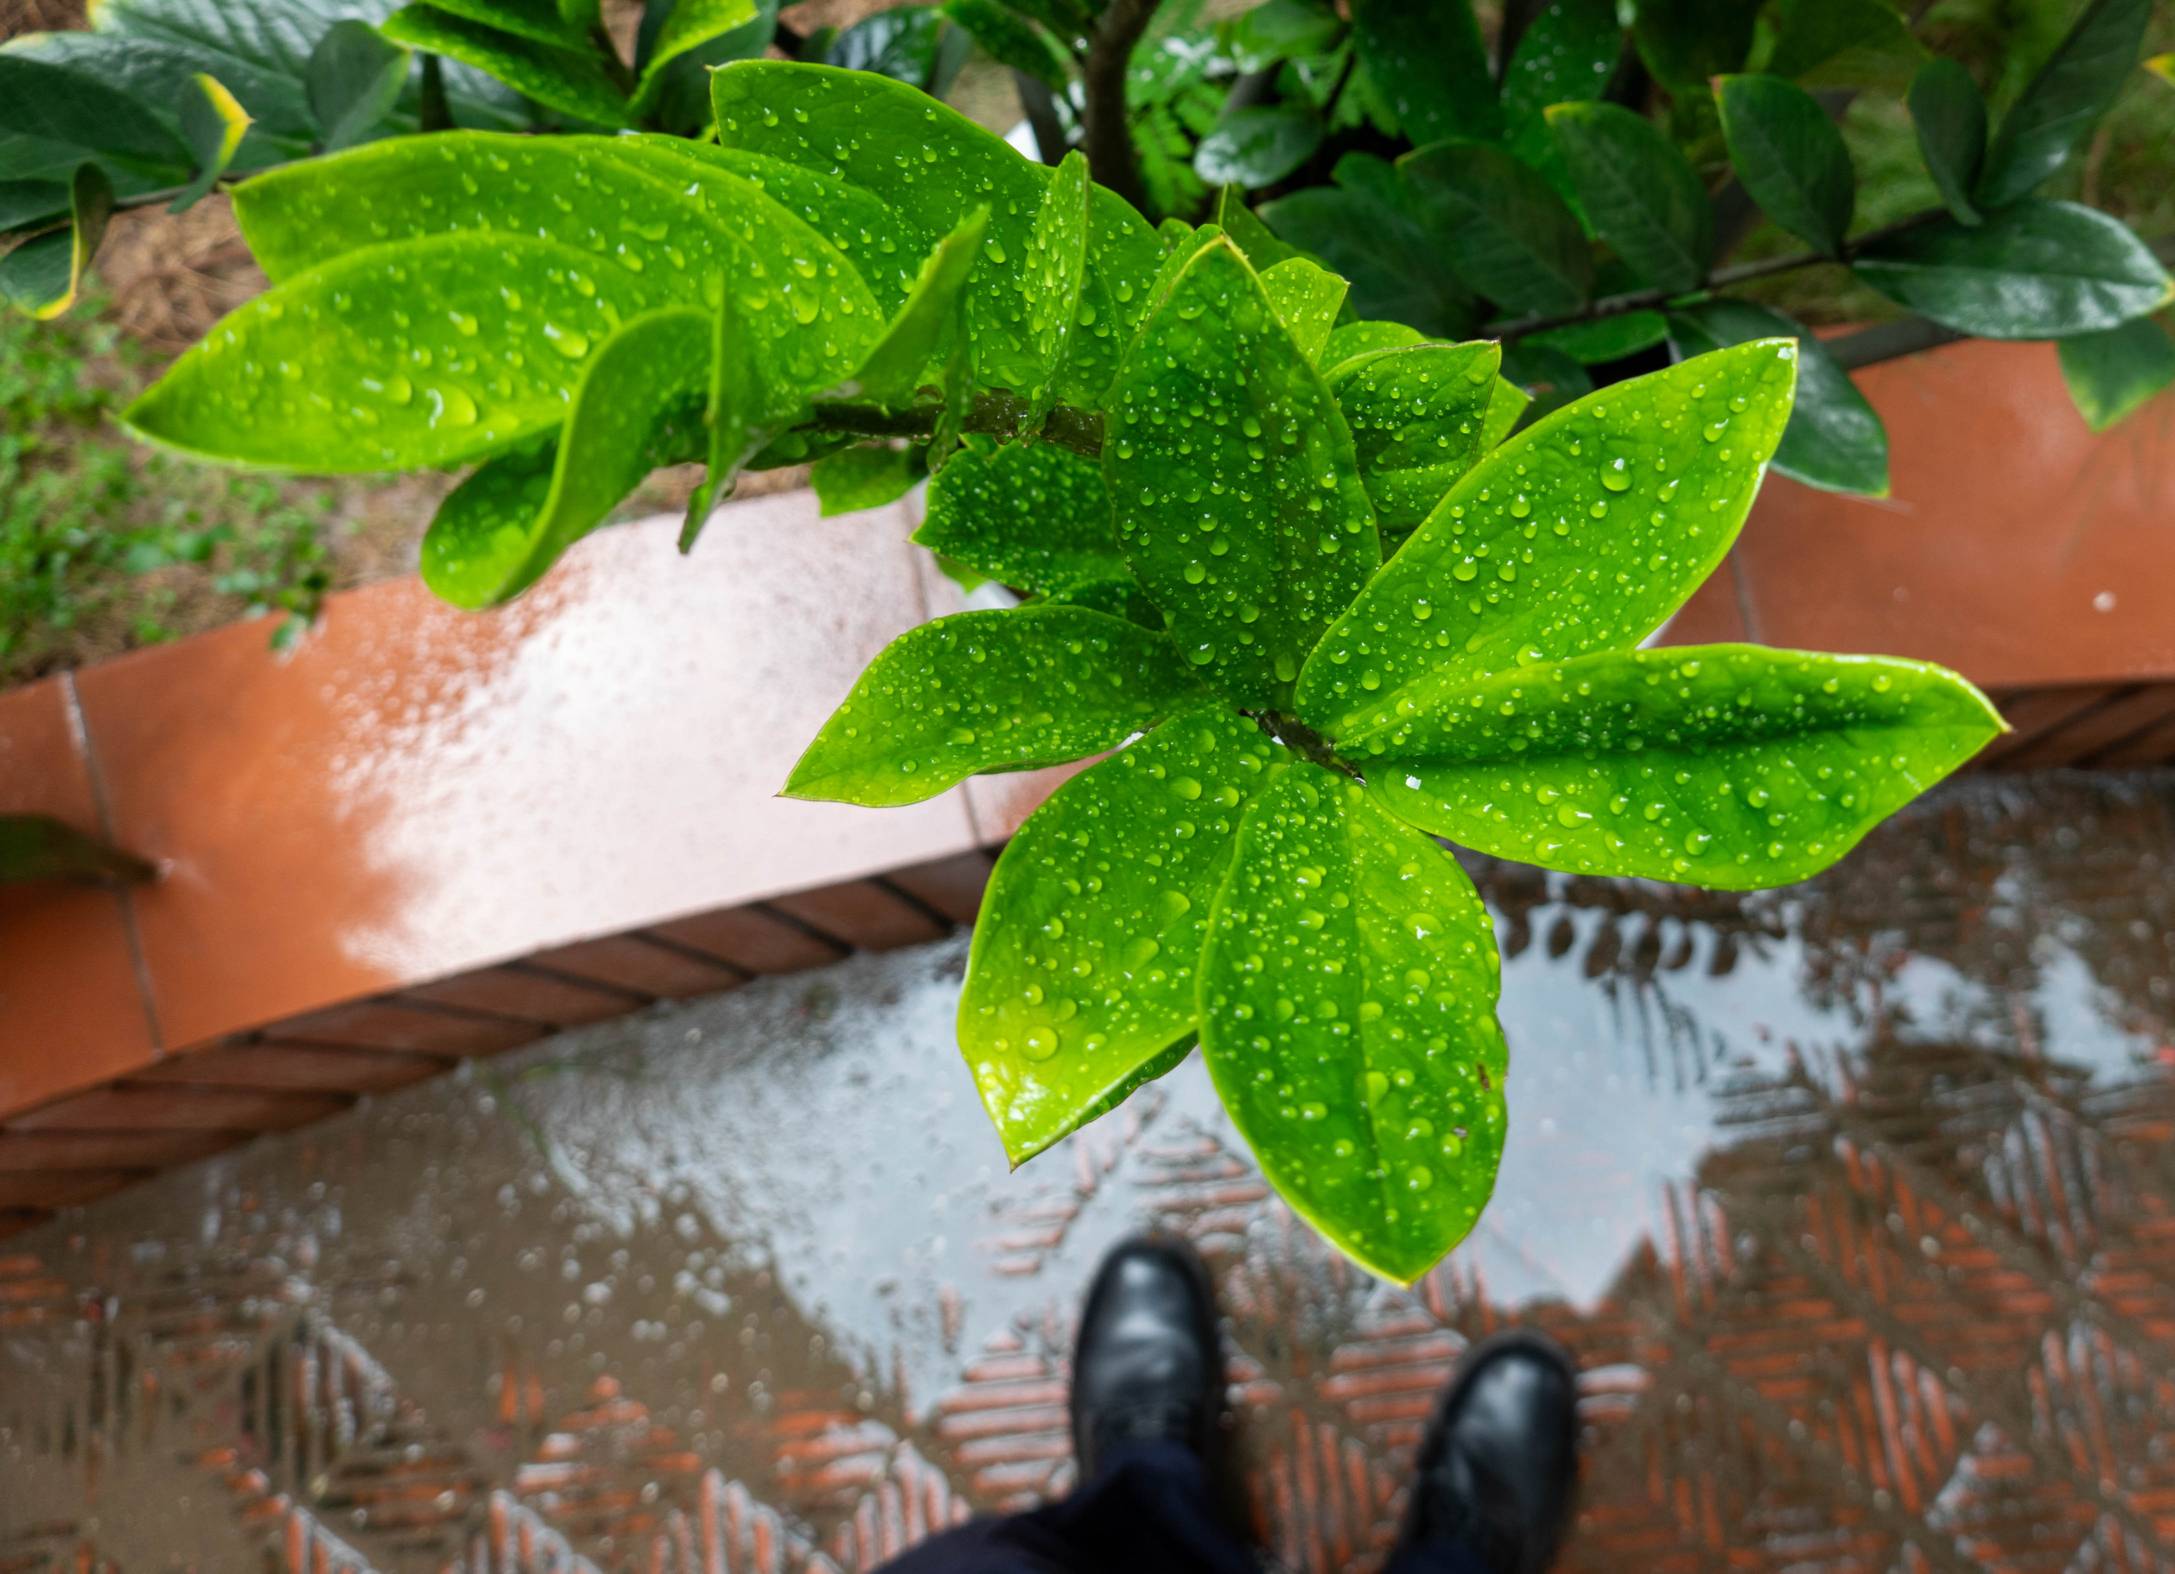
1856 1201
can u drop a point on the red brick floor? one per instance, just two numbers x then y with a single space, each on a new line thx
1856 1201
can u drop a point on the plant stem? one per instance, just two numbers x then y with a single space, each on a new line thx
1301 739
996 413
1888 341
1717 279
1109 135
1041 107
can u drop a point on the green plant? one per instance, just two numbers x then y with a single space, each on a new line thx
88 524
1202 476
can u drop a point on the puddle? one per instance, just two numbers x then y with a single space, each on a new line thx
1856 1201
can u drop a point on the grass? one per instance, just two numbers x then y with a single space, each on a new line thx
104 545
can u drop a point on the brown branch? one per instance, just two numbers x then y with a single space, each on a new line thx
1109 135
997 414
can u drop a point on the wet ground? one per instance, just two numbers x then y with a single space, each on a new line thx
1857 1202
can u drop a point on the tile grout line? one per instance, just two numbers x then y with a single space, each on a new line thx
79 724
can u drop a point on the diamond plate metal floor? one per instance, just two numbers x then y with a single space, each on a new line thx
1857 1203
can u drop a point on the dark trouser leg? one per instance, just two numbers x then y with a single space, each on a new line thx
1436 1557
1151 1511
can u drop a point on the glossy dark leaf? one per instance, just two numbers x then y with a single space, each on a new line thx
44 274
1790 157
568 80
31 204
1581 533
1501 227
1237 493
1258 146
2034 270
1730 766
991 691
980 499
1010 39
1566 54
1083 969
1639 192
213 123
2063 102
60 104
688 28
638 405
1364 228
905 43
1834 440
540 21
1429 62
354 79
1284 30
1949 116
2111 373
1604 339
1686 43
1348 991
1847 44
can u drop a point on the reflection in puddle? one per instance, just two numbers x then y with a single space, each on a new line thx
1855 1199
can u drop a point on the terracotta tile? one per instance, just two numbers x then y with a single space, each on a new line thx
418 790
13 1221
953 886
753 940
527 994
1001 804
306 1068
61 1188
2034 713
2114 721
2154 747
71 1011
650 965
179 1109
863 913
388 1024
1714 615
2017 547
109 1150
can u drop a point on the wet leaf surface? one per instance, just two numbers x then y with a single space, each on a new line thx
1418 418
1084 964
978 501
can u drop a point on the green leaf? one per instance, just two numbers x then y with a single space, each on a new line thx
1417 417
1348 992
1284 30
661 225
868 476
1687 43
1050 282
2112 372
1950 119
1643 196
1600 340
1844 44
906 42
1566 54
31 204
1363 338
1506 405
213 123
539 21
44 274
991 691
1237 491
1790 157
2063 102
1120 597
39 847
1727 766
1010 39
338 372
1500 226
851 126
739 416
2034 270
60 104
354 80
1363 227
571 82
688 26
1082 971
1581 533
2163 67
1306 300
1248 233
637 406
926 324
1431 65
1834 440
1258 146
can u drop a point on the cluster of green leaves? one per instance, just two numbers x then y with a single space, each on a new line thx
87 524
1582 197
1293 564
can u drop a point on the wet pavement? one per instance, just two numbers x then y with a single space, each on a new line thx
1857 1202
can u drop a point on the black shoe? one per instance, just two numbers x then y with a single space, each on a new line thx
1148 1364
1500 1460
